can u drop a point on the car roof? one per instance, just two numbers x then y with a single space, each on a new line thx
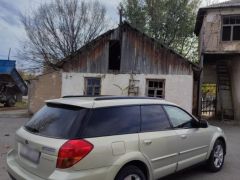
107 101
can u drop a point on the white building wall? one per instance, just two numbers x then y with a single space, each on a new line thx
178 88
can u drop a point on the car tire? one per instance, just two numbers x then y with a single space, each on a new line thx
131 172
217 157
10 102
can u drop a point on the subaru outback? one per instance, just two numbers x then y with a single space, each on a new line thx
113 138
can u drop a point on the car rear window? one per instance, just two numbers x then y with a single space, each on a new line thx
57 121
113 121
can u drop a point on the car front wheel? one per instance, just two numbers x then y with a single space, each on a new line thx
216 159
130 173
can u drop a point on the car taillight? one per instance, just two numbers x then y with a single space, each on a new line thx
72 152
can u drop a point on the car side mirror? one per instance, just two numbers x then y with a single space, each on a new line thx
203 123
199 123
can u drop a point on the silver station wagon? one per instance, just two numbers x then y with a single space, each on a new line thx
112 138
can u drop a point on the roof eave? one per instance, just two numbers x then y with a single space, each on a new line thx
199 21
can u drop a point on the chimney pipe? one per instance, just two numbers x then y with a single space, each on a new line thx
120 10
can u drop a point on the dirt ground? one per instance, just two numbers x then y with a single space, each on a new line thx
8 126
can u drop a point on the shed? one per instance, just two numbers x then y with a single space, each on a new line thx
125 61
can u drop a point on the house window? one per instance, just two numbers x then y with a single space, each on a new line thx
92 86
156 88
114 55
231 28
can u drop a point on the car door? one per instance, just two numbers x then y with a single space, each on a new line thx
158 141
193 142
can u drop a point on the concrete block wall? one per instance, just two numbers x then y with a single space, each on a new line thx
42 88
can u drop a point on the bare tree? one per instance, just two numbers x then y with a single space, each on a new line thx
58 29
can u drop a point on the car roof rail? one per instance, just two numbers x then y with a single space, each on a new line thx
111 97
124 97
76 96
73 96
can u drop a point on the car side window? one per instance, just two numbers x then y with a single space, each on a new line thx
178 117
154 118
113 121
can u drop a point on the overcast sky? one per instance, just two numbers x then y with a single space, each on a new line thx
11 30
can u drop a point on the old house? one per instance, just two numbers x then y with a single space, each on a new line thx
122 61
218 29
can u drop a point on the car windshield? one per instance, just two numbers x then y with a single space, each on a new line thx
57 121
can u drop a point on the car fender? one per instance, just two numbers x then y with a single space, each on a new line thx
127 158
218 134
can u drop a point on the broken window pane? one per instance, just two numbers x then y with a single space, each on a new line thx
226 33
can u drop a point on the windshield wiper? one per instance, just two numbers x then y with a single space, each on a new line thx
34 130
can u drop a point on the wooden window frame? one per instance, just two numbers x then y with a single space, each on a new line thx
163 81
229 25
86 85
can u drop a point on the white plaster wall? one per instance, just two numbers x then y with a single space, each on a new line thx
178 88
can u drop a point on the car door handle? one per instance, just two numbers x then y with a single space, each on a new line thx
184 136
147 142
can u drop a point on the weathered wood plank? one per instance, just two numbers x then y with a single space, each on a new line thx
139 54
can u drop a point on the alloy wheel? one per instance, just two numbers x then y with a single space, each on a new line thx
218 156
132 177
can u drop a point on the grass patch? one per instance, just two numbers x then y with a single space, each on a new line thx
18 105
21 105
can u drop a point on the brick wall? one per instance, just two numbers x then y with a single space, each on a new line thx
44 87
